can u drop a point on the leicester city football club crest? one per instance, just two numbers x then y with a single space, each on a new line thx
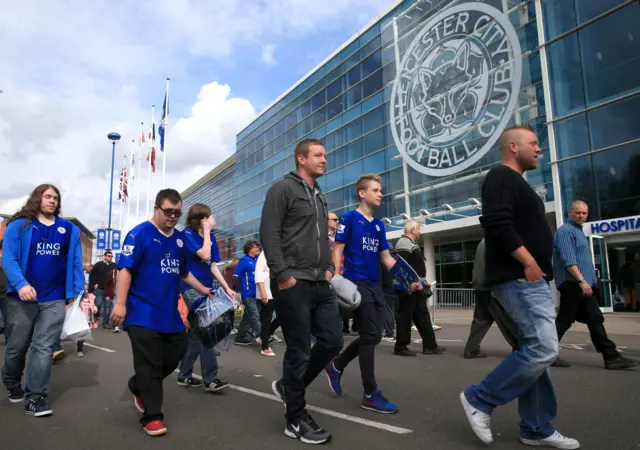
456 88
61 230
179 242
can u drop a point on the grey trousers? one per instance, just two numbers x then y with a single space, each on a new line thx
488 310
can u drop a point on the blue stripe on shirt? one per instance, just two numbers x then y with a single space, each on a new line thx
571 248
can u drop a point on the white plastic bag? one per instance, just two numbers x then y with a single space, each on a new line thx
75 325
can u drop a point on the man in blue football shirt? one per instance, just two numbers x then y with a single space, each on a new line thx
362 239
43 263
202 256
152 265
245 277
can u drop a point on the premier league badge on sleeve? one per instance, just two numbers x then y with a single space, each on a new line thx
127 250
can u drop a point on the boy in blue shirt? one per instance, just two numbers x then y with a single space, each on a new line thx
152 265
202 256
43 263
362 239
245 277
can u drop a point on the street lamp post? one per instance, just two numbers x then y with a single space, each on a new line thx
114 138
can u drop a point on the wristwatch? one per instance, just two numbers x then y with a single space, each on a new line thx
582 281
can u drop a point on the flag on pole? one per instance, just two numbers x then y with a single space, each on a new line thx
123 193
163 123
133 163
142 139
151 156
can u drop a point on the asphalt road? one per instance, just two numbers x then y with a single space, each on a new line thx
93 408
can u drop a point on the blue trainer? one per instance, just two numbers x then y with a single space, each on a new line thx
37 407
378 403
334 377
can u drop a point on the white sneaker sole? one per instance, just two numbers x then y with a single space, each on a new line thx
267 354
302 439
368 408
16 400
159 432
541 443
467 411
40 414
135 405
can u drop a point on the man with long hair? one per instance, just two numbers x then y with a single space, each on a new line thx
152 265
43 263
202 256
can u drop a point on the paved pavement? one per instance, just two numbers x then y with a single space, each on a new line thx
93 408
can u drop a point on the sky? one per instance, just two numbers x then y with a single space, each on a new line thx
73 71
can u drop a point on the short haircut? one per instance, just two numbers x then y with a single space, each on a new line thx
168 194
578 203
108 252
303 147
196 213
249 245
365 180
409 224
507 134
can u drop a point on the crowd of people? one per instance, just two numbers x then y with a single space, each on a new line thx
292 278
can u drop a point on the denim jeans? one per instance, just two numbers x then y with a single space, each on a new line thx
524 374
108 308
41 325
3 313
250 319
99 301
208 360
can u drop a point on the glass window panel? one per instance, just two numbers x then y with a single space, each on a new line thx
334 108
372 120
353 151
559 17
588 9
306 108
572 136
318 100
372 84
329 144
617 181
318 118
339 157
371 64
304 127
353 130
334 124
372 102
334 89
450 253
291 120
610 50
279 128
577 182
334 198
292 135
335 179
374 163
370 47
339 138
353 77
268 135
352 61
373 141
615 123
565 74
349 196
352 172
353 96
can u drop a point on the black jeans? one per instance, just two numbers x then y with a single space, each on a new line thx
575 306
413 307
307 308
486 311
268 326
155 356
369 320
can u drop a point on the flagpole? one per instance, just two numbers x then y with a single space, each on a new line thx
133 146
165 125
122 190
139 185
153 114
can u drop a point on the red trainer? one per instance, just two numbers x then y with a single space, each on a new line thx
155 428
137 402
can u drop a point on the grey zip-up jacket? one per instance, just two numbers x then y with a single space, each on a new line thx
294 231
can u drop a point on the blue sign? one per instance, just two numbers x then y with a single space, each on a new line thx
616 225
115 240
101 242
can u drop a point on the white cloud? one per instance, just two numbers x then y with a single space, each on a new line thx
76 70
267 55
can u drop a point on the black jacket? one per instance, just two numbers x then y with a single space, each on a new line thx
99 273
294 230
412 254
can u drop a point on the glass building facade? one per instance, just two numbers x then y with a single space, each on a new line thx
421 95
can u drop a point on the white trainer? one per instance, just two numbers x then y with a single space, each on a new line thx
556 440
479 421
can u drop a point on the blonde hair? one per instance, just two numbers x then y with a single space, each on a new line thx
364 181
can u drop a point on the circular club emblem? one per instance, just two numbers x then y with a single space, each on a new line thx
179 242
101 234
456 89
377 227
61 230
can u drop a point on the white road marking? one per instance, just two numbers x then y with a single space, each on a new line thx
326 412
97 347
572 346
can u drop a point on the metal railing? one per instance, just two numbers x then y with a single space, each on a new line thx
452 303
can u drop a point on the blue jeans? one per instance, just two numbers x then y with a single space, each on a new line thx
524 374
99 301
106 312
250 319
208 360
41 325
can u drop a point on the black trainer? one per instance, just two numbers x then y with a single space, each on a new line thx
278 389
433 351
403 351
620 363
307 431
189 382
37 407
16 395
216 385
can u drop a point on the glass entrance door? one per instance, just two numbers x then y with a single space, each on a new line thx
601 263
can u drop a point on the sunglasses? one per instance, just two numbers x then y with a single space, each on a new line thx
171 212
333 220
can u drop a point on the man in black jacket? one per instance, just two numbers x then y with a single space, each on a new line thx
97 283
294 234
413 306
